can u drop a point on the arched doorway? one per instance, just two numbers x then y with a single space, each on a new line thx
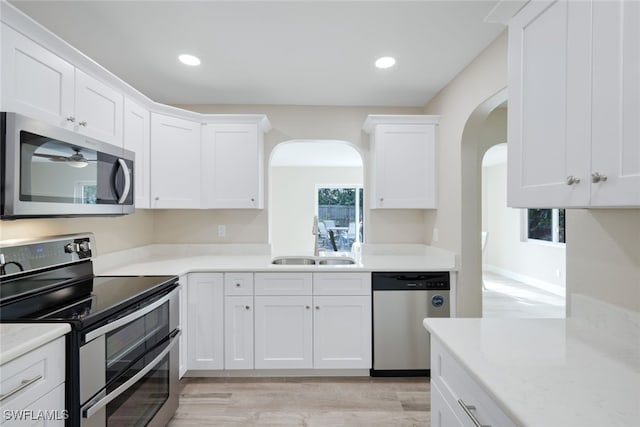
297 170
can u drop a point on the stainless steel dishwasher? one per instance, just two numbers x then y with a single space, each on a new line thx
401 301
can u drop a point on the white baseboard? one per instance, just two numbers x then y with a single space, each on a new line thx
540 284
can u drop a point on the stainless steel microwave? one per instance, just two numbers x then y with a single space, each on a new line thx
49 171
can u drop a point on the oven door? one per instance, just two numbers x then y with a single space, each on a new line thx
51 171
129 372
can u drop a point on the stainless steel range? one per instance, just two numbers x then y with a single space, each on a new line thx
122 357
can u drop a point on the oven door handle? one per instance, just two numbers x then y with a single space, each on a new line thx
91 335
97 406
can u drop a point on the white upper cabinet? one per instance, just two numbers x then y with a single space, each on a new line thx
232 163
136 139
35 82
403 161
98 112
39 84
574 105
175 163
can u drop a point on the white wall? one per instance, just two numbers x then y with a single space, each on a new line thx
293 204
458 218
603 256
505 251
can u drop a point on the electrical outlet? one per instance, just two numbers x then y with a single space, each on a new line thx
222 230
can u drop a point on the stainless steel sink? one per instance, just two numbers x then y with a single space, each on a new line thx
293 260
336 261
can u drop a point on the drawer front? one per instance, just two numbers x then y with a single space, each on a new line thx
442 415
457 386
238 284
283 283
342 283
48 411
29 377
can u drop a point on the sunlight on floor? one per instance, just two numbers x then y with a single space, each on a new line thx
504 297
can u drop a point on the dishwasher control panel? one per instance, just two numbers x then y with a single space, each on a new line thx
419 281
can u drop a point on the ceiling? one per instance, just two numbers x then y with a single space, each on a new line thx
266 52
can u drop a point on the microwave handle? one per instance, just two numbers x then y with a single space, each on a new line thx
127 181
91 410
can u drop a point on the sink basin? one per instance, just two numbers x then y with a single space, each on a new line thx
293 260
336 261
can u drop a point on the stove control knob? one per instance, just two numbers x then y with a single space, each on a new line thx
71 248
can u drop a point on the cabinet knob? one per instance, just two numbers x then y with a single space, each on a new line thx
597 177
307 307
253 200
71 119
381 199
572 180
246 307
157 198
317 307
237 285
82 124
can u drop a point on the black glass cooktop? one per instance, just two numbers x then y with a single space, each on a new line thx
81 299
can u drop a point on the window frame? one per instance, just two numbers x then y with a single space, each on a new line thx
555 228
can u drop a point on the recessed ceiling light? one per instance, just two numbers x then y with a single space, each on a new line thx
385 62
189 60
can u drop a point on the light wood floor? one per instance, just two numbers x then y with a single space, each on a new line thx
356 401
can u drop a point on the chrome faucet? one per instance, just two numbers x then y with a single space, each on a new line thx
315 231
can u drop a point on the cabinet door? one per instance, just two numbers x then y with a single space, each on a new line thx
404 170
549 120
136 139
342 332
99 109
232 166
238 332
616 103
205 336
441 413
184 310
283 332
35 82
175 163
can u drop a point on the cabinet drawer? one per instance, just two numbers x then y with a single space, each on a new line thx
342 283
283 283
455 385
238 283
43 369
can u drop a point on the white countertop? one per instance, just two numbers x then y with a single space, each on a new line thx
181 259
17 339
550 372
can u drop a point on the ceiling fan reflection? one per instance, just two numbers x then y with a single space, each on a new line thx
76 160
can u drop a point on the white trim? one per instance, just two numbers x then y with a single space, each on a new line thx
531 281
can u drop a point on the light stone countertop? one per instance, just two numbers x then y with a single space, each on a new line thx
550 372
181 259
17 339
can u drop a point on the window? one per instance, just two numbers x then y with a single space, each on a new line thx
340 211
85 192
545 225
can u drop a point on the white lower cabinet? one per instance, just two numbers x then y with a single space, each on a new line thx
283 328
238 332
456 398
342 332
34 382
205 334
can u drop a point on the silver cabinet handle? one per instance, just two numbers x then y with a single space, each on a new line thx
597 177
127 181
24 384
91 410
572 180
71 119
84 123
467 410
